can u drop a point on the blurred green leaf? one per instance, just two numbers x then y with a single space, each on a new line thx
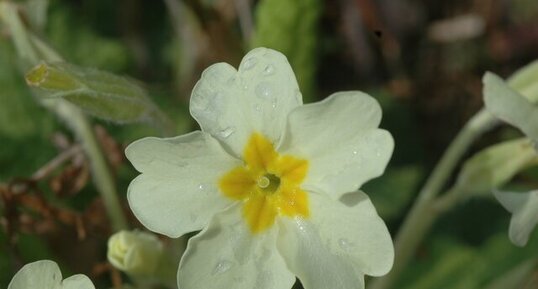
392 192
99 93
37 13
494 166
20 115
454 265
515 277
78 43
444 268
510 106
291 28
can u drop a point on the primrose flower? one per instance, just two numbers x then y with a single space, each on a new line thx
510 106
268 182
45 274
524 208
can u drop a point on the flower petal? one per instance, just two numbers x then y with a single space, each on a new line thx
337 244
340 138
227 255
42 274
312 262
178 192
524 207
78 281
231 105
45 274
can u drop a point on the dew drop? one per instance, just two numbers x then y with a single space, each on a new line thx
269 69
257 107
225 133
250 63
222 267
355 153
263 90
345 244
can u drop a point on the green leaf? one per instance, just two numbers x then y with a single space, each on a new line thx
451 264
392 192
515 278
495 165
510 106
20 114
445 268
79 42
291 28
99 93
37 12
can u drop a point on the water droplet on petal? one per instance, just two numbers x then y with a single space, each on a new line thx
225 133
222 267
269 69
264 90
345 244
249 63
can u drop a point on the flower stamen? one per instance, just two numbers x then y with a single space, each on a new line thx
269 183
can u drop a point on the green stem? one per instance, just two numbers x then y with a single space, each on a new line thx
422 215
32 50
102 175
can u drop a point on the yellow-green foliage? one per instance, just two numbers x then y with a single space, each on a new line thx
291 28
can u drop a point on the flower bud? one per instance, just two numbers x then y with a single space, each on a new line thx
134 252
99 93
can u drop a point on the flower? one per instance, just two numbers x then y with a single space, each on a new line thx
523 207
268 182
45 274
510 106
137 253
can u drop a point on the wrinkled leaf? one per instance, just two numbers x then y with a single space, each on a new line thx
510 106
99 93
291 28
495 165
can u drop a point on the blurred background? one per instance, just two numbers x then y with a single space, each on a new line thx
422 60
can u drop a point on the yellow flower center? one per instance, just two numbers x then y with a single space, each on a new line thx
268 184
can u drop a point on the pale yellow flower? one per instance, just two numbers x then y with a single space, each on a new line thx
264 181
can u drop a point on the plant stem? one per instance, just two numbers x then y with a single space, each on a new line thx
422 215
102 175
32 50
